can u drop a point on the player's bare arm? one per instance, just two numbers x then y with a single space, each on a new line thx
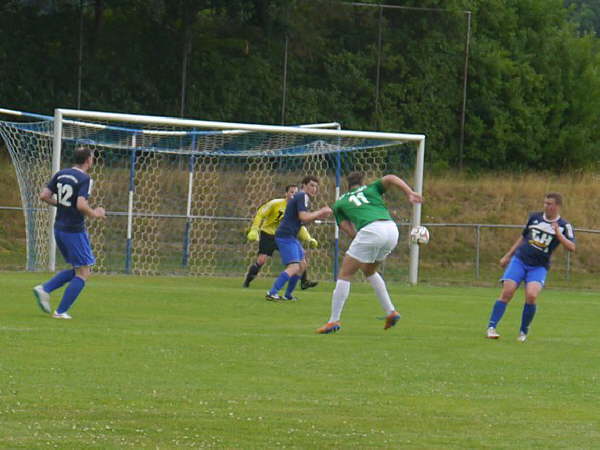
570 246
307 217
392 180
347 227
87 210
47 196
506 258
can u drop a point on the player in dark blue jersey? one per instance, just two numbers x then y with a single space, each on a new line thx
290 249
69 190
528 260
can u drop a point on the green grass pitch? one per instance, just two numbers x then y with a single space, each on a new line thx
182 362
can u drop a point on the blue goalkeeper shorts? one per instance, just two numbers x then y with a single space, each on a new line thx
518 271
75 248
290 249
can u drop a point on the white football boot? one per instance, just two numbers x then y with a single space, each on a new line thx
492 333
42 298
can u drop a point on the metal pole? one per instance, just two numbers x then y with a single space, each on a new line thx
464 101
568 274
80 62
129 248
413 269
284 93
188 210
56 156
187 45
378 77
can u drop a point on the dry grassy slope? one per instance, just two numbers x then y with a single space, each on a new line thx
453 198
12 223
506 199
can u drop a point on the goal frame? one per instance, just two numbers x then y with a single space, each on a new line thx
62 114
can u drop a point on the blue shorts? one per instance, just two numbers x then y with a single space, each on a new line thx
290 249
518 271
75 248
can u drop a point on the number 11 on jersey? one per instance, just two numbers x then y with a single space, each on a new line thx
358 199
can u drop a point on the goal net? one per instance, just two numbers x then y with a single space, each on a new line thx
181 194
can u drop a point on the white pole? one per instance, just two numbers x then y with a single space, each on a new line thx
128 261
56 156
413 270
159 120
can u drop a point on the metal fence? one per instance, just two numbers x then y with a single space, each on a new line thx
477 260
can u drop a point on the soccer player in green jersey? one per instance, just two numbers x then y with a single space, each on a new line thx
361 213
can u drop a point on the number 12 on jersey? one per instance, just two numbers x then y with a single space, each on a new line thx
65 192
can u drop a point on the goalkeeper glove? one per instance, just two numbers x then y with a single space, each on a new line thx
313 243
252 235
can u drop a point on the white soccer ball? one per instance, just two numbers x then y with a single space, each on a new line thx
420 235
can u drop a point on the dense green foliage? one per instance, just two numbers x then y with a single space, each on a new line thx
533 94
187 363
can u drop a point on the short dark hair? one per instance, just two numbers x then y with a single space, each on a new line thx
289 186
308 178
355 179
82 154
556 196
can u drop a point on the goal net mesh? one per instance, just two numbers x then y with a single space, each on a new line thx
181 200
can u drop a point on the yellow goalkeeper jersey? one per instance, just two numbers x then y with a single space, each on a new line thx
269 216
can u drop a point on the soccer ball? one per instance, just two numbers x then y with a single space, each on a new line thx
420 235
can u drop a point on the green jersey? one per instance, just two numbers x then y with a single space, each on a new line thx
362 205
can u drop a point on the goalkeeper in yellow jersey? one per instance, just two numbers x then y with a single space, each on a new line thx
263 229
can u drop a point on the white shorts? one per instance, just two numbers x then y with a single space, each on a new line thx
374 242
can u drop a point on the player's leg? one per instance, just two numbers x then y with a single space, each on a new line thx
284 277
391 315
534 280
254 269
292 255
340 294
82 258
513 275
388 234
305 283
293 281
266 247
42 291
72 292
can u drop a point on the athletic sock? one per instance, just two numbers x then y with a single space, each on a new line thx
338 299
58 280
527 317
252 272
291 285
382 293
304 277
279 282
497 313
73 289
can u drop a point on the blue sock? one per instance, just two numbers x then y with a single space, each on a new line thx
497 313
58 280
291 285
527 317
71 292
279 282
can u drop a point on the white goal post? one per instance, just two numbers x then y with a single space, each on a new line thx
61 115
180 194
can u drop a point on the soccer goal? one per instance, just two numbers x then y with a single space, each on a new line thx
180 194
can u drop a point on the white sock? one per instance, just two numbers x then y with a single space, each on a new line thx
340 294
382 293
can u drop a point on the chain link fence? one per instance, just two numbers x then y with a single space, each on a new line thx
458 253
